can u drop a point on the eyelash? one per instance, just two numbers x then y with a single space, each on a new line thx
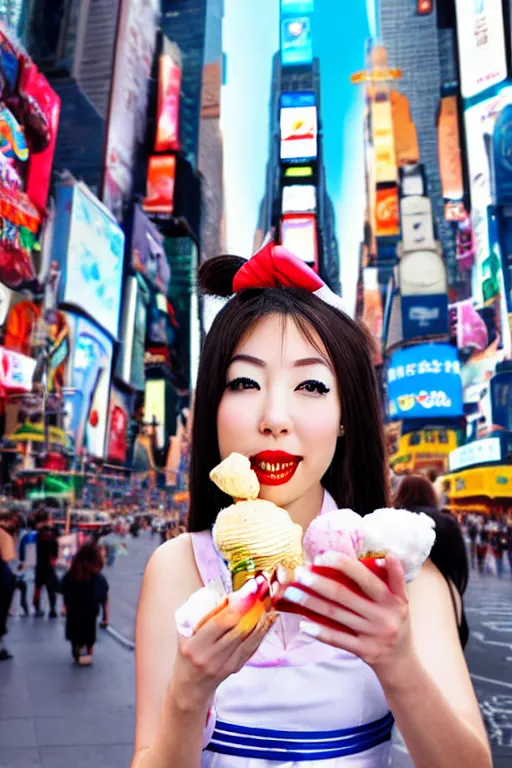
242 383
311 386
315 386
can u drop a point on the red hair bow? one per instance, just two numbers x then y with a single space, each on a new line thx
275 266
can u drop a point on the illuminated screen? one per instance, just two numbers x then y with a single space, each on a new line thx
154 406
93 266
299 172
299 198
424 381
160 186
298 234
298 126
119 422
296 41
168 109
482 52
387 220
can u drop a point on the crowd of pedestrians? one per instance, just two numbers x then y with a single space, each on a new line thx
490 543
83 587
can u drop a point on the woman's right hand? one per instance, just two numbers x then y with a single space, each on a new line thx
219 648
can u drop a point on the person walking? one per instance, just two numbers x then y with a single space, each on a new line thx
7 582
85 591
47 550
472 533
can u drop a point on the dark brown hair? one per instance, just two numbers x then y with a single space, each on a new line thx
87 562
415 491
357 477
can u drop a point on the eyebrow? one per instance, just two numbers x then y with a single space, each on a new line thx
302 363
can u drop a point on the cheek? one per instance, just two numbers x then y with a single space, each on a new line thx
233 424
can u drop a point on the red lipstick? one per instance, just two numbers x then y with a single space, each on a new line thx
275 467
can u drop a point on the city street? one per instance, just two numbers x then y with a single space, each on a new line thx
53 714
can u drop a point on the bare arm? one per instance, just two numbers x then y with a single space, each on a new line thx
430 692
177 678
170 578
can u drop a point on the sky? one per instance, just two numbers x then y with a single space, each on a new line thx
250 39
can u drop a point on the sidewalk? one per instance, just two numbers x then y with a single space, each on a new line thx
56 715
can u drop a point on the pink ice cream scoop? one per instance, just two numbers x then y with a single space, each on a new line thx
337 531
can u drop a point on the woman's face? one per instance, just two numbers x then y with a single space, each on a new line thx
281 408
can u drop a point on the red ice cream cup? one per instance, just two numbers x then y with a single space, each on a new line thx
375 565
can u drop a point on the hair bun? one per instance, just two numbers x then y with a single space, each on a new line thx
215 275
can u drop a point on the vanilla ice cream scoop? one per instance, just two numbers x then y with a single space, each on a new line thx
408 535
338 531
235 477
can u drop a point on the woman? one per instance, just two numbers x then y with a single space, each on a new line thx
286 377
85 590
418 494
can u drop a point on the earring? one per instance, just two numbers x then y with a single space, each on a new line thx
341 433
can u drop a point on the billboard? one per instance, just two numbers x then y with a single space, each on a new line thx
133 61
119 417
299 128
298 234
502 156
448 142
16 371
424 315
147 252
296 40
383 140
424 382
130 362
297 6
486 451
480 120
86 399
299 198
387 220
482 52
154 408
501 399
167 136
160 184
88 244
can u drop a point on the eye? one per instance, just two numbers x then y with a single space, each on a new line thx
242 383
313 387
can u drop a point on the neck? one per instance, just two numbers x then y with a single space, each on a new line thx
304 510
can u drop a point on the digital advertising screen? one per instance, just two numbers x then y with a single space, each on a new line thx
296 40
383 139
448 141
424 315
291 7
299 198
148 253
298 234
89 246
424 382
485 451
86 398
482 51
168 104
387 214
120 408
299 127
160 184
154 407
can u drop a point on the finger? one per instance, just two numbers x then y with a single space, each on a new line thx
368 582
396 577
331 636
336 592
250 645
330 610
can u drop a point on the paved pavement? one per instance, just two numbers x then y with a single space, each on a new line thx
53 714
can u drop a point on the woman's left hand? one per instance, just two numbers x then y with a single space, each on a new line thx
379 618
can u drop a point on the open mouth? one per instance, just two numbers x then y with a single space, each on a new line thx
275 467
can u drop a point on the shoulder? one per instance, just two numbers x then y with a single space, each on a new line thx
173 563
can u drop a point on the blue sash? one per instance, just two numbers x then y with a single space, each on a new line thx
298 746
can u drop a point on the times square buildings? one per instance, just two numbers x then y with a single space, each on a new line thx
435 271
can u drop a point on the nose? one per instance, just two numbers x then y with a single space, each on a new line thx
276 419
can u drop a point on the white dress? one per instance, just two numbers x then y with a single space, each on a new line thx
297 702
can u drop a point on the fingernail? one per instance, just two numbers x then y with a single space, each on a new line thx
304 577
250 587
309 628
282 574
294 595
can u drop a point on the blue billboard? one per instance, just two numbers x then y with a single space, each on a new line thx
423 382
296 40
293 7
424 316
